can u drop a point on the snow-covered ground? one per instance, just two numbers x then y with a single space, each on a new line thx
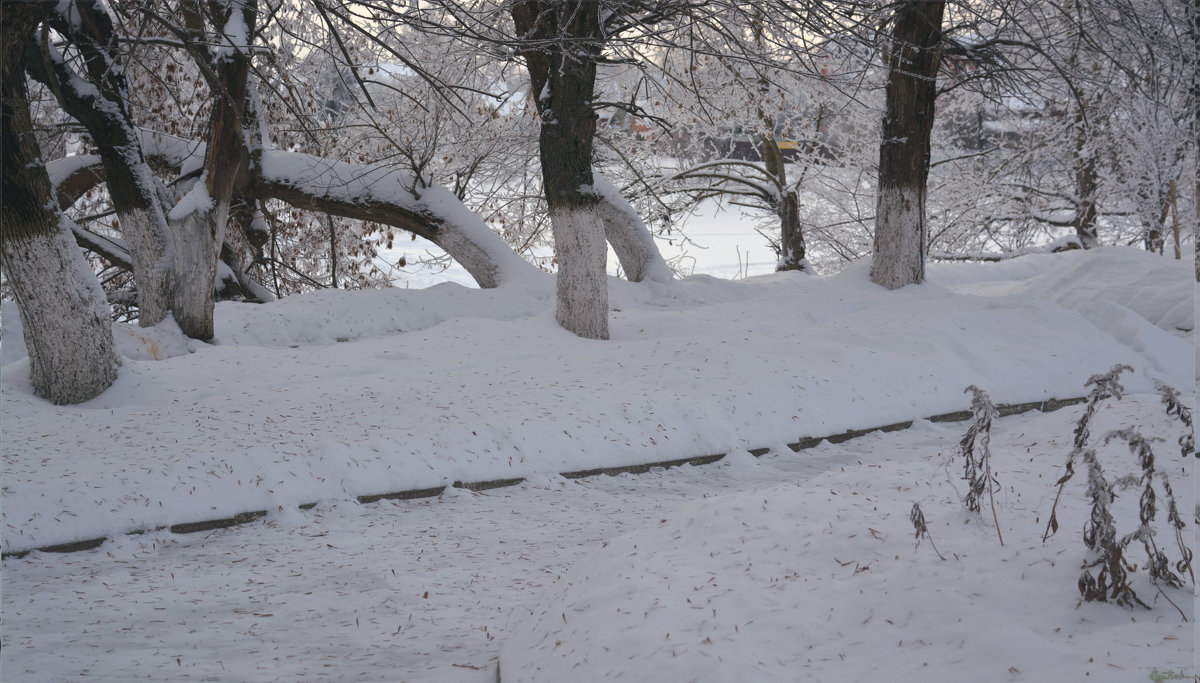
325 397
797 566
818 578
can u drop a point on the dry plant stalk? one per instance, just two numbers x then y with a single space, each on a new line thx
1103 386
977 456
1177 409
1111 581
918 520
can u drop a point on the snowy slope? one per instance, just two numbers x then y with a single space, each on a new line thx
449 384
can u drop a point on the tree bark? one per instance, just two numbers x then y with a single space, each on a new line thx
628 235
200 233
1087 181
68 332
900 229
104 114
562 67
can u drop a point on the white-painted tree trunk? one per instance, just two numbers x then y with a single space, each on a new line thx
579 245
628 235
904 149
150 252
197 253
68 331
899 237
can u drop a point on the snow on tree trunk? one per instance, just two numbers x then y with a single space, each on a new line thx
68 332
562 70
899 257
99 103
629 236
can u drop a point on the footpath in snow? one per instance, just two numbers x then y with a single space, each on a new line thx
788 567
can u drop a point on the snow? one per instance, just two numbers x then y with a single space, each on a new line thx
197 200
235 33
61 169
1079 278
356 183
333 395
188 155
819 579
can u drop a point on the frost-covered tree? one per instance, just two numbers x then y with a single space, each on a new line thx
233 173
1096 108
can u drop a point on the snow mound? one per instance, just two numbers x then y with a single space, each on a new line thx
1155 287
451 384
162 341
334 315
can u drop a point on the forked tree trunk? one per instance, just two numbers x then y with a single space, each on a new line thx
791 234
562 72
900 229
68 332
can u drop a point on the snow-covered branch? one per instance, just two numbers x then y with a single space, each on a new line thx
377 193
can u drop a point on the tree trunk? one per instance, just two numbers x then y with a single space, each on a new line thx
792 249
791 233
629 236
68 332
1087 182
562 71
102 111
913 61
200 231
